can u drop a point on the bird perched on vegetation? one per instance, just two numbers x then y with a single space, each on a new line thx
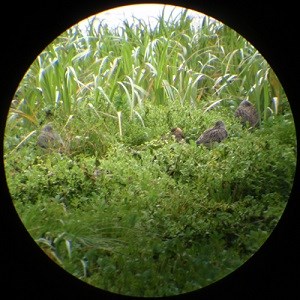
215 134
178 134
48 138
247 113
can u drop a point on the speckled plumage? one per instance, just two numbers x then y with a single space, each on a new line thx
247 113
48 138
215 134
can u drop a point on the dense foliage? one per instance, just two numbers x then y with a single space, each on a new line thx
124 204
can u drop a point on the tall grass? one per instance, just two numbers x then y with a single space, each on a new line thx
118 69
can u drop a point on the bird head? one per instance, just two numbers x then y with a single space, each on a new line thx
219 124
47 128
245 103
176 130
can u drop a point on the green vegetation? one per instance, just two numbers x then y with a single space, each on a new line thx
123 208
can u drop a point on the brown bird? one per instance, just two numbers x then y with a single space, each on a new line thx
48 138
215 134
177 134
246 112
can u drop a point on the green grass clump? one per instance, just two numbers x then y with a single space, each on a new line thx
123 206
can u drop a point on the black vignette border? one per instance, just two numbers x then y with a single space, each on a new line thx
271 28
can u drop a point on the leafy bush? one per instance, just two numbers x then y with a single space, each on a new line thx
176 216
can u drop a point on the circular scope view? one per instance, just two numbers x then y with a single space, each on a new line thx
150 150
